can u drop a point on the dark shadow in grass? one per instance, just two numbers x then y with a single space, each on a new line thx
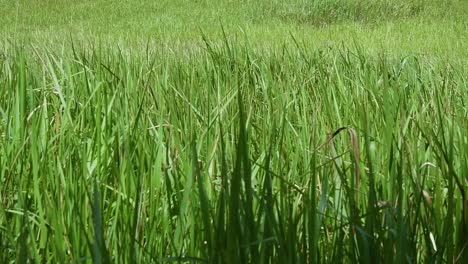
325 13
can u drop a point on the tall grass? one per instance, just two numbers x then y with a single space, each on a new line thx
231 155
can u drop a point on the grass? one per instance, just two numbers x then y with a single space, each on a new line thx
423 26
220 156
203 144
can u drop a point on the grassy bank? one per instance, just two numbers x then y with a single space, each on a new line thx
231 155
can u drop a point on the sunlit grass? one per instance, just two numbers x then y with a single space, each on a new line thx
398 26
231 154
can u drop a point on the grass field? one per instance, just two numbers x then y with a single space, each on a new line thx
422 26
331 131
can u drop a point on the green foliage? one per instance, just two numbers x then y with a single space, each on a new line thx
229 154
424 26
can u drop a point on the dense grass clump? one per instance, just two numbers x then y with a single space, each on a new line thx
232 155
324 13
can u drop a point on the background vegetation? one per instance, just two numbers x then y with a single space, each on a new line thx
422 26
